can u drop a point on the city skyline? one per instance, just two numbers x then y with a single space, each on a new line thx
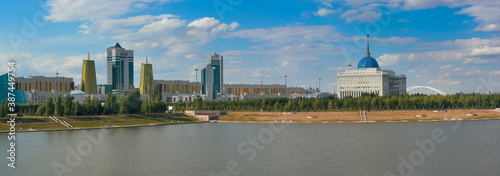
457 52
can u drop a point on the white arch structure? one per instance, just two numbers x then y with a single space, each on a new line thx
425 87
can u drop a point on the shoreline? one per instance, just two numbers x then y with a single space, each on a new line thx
368 116
112 127
331 117
357 122
41 123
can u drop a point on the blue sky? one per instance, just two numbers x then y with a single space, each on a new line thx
453 45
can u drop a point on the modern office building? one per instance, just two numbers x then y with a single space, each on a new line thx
176 86
146 85
120 68
256 91
238 89
42 83
39 88
369 78
89 81
212 77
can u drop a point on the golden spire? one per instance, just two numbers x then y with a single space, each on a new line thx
367 45
146 59
88 54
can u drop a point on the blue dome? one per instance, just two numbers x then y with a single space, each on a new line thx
368 62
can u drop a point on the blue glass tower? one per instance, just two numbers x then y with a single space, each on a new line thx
120 68
4 90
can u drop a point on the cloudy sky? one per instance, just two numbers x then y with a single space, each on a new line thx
451 45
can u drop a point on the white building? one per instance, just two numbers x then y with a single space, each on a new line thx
369 78
36 97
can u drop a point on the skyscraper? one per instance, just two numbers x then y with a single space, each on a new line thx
89 82
146 86
212 77
120 68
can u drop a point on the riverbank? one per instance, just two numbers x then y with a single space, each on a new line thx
354 116
36 123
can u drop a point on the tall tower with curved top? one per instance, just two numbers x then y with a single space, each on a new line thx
89 82
146 86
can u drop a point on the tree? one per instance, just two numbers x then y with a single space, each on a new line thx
144 107
2 109
123 105
316 104
199 103
49 107
330 105
96 105
68 105
41 110
134 101
59 109
78 109
111 105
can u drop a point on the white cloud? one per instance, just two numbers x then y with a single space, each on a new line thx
164 25
290 34
486 50
80 10
396 40
494 72
387 60
486 12
448 82
204 23
403 21
120 25
323 12
446 66
365 14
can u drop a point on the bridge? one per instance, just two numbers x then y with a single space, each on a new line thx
424 90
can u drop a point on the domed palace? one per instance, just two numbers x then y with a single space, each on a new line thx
369 78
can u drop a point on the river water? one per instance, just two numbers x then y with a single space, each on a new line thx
368 149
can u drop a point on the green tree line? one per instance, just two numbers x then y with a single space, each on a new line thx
365 102
129 103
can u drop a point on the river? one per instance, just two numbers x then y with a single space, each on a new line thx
357 149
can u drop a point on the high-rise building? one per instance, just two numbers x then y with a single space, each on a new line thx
89 82
212 77
120 68
369 78
146 86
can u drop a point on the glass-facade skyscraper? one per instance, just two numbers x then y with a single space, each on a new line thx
212 77
120 68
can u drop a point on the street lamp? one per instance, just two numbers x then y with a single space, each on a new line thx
286 89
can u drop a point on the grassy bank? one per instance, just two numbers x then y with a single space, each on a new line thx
45 123
349 116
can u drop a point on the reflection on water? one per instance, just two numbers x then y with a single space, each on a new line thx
469 148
